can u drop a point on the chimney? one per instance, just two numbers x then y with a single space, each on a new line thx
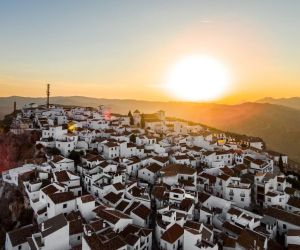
42 226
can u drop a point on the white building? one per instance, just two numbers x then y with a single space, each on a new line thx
60 203
53 234
149 173
17 239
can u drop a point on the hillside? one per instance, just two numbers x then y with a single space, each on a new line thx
277 125
293 102
14 149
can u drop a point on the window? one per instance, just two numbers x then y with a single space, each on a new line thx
65 205
242 199
78 237
284 226
20 247
48 204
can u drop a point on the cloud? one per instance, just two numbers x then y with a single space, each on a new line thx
205 20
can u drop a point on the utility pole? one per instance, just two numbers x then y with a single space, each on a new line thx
48 95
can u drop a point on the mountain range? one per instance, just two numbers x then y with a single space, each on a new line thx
293 102
276 121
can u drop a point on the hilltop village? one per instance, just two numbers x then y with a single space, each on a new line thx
100 180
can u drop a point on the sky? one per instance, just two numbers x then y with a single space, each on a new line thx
124 48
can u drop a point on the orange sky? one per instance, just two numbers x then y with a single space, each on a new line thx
128 57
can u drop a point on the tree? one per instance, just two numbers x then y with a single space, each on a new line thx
280 163
143 121
6 122
53 151
132 138
39 146
131 118
75 156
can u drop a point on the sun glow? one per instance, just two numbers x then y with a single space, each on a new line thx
197 78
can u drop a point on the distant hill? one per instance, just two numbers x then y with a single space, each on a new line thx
277 125
293 102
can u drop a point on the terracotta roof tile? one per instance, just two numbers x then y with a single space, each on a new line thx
142 211
61 197
172 234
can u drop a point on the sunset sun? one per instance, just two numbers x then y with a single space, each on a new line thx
197 78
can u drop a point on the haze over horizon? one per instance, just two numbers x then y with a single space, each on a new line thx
264 99
124 50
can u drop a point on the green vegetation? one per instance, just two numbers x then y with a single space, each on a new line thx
131 118
14 149
280 164
142 121
53 151
6 123
13 211
132 138
75 156
295 183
